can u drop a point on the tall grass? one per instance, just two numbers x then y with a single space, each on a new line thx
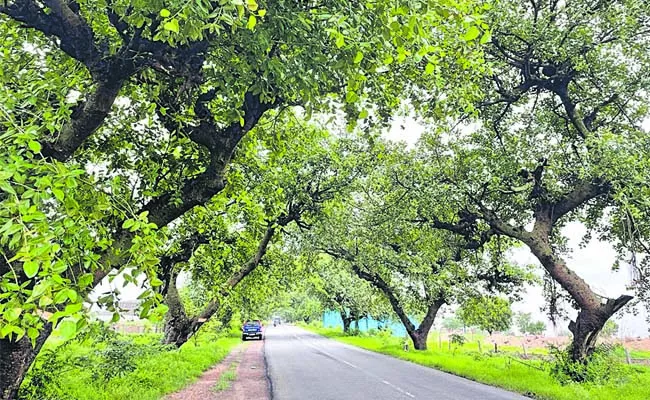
155 375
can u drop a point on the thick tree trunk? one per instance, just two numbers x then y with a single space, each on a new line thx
346 322
178 327
589 323
420 335
15 359
594 310
419 339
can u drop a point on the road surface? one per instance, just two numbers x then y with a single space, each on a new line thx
302 365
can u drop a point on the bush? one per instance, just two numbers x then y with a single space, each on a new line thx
600 368
458 340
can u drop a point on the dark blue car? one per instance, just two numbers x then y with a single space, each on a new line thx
252 329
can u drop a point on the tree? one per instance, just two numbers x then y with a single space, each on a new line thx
537 328
488 313
555 139
523 321
417 268
452 324
310 170
338 288
126 116
526 325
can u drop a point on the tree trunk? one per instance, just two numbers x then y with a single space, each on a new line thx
588 324
346 322
15 360
178 327
419 339
418 335
593 312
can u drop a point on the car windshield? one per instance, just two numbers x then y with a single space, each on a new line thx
252 324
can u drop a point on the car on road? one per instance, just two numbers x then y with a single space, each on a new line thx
276 321
252 329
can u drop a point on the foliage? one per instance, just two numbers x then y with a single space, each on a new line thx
87 181
67 371
452 323
458 340
600 368
526 325
488 313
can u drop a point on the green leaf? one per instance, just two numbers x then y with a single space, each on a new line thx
358 57
262 13
12 314
73 308
156 282
67 329
58 193
429 69
172 25
472 33
34 146
31 268
165 13
252 21
487 35
340 41
252 5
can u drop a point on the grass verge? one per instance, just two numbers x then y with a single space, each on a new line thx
530 378
154 375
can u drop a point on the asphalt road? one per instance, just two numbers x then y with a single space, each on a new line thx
302 365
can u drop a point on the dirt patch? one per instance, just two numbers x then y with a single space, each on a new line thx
250 383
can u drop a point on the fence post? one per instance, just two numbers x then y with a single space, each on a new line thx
479 347
523 345
440 339
627 355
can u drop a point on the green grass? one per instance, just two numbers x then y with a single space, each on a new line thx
527 377
155 376
226 378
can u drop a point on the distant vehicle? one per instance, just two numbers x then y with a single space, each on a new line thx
276 321
252 329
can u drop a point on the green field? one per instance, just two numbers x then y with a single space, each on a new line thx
529 377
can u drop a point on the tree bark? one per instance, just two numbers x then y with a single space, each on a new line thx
178 326
594 310
15 359
589 323
347 321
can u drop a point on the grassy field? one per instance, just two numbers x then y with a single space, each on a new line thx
529 377
155 374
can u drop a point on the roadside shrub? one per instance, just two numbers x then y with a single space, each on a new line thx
43 382
458 340
600 368
118 358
